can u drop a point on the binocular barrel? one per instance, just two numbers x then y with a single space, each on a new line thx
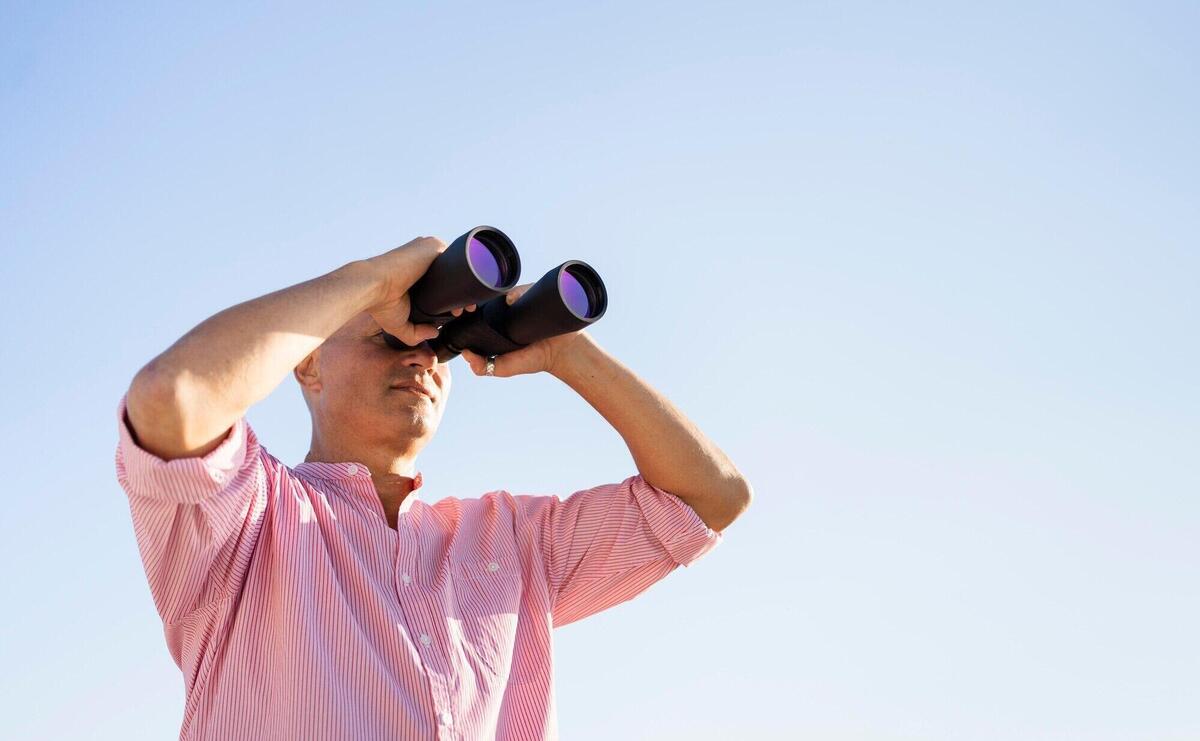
480 267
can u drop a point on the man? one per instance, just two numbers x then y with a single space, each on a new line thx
325 600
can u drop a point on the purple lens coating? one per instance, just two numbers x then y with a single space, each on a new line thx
573 294
484 261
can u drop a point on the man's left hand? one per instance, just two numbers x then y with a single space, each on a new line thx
535 357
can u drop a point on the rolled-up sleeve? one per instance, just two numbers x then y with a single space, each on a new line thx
196 519
605 545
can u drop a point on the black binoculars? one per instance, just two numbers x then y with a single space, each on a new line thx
480 267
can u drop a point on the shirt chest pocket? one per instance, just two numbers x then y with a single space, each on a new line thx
487 600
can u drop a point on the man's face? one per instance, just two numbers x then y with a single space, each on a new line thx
362 391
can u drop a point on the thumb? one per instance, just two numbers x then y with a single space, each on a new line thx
414 334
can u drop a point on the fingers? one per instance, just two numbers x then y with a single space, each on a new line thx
474 362
478 364
516 293
415 334
436 243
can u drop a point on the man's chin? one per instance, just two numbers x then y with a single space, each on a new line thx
414 424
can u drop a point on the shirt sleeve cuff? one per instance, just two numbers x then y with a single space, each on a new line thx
676 525
181 480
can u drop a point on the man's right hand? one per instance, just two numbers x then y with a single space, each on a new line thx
396 272
185 400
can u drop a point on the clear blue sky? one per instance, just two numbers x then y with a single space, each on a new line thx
927 273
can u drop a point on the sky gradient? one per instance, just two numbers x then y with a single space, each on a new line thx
927 274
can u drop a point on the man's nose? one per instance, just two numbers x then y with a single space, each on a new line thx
423 356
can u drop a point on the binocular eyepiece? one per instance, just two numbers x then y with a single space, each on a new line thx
480 267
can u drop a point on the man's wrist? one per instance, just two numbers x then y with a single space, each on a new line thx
573 360
373 281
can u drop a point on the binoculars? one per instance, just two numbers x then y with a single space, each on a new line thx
480 267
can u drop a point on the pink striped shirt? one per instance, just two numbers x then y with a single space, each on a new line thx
295 612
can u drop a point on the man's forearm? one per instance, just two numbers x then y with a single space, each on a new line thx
670 452
238 356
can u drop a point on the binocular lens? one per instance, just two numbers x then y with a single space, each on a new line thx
479 267
575 294
476 267
486 261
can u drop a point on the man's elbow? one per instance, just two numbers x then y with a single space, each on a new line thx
742 497
748 495
735 500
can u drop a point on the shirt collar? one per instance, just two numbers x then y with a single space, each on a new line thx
344 471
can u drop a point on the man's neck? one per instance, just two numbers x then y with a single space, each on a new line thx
381 461
391 471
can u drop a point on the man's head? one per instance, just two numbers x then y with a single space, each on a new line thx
363 395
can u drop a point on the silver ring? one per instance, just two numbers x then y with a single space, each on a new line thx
490 369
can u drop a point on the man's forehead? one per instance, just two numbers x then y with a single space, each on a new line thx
362 322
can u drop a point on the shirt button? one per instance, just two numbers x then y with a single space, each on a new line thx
425 639
352 470
406 578
444 717
493 566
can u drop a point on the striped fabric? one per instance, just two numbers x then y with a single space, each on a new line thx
295 612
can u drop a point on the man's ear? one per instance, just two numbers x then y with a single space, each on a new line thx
308 372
